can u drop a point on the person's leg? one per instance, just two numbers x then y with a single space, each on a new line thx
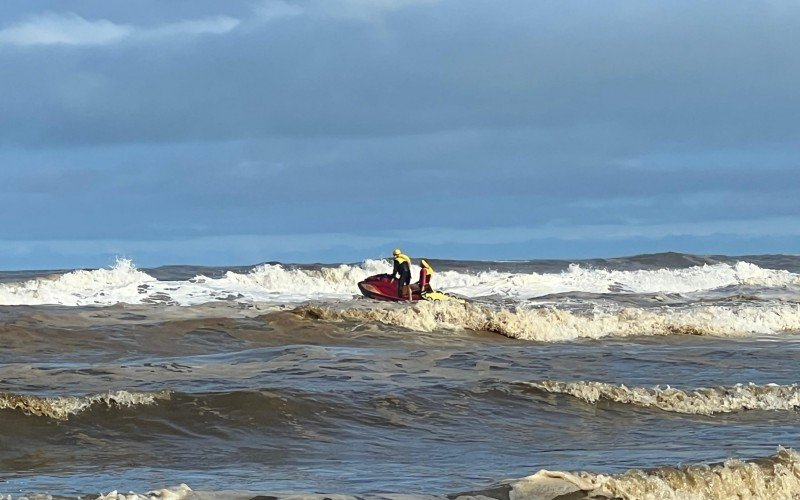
407 282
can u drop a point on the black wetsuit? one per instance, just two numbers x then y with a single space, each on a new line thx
402 268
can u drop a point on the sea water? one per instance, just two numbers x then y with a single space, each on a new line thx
659 376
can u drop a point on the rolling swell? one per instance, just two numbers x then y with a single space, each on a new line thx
702 401
551 324
774 477
243 408
339 395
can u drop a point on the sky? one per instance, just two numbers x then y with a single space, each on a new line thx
245 131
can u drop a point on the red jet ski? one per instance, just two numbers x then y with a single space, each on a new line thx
383 287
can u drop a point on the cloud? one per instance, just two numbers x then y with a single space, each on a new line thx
574 74
275 9
372 12
209 26
64 29
320 116
363 10
53 28
71 29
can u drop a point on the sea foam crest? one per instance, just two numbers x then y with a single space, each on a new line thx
176 493
703 401
99 286
123 283
581 279
551 324
270 281
62 407
333 282
773 477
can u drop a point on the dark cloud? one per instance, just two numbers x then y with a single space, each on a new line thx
654 72
193 119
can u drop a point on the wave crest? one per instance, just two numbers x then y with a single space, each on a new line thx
99 286
773 477
549 324
63 407
123 283
584 279
339 281
703 401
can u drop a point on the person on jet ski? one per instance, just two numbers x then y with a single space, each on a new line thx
425 273
402 267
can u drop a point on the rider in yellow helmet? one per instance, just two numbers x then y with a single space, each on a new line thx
402 267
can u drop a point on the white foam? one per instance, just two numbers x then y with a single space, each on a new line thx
580 279
276 282
774 477
551 324
63 407
704 401
123 283
176 493
100 286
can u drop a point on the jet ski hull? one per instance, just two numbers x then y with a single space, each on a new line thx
383 287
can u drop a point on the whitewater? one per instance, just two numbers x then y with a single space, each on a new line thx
693 300
124 283
655 376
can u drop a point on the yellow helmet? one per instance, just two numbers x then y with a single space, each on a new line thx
424 264
396 251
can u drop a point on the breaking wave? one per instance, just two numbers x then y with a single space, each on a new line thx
99 286
341 281
63 407
124 283
581 279
773 477
703 401
299 284
770 478
550 324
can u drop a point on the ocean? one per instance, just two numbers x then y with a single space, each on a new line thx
655 376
